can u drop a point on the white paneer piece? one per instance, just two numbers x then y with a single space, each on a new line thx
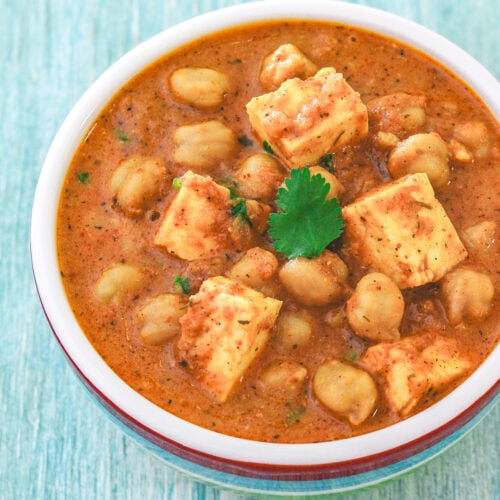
415 365
196 223
224 329
402 230
305 119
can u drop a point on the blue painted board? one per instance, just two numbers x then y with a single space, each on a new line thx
54 442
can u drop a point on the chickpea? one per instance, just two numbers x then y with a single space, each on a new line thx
400 114
242 231
199 270
386 140
480 237
467 295
334 318
258 213
294 329
286 62
346 390
426 153
315 282
459 152
336 188
137 182
203 88
255 268
475 136
414 117
375 309
116 281
203 145
284 376
259 176
159 318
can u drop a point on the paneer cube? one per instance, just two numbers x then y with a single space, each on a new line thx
196 223
414 366
402 230
224 329
305 119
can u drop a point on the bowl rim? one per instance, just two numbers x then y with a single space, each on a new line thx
53 298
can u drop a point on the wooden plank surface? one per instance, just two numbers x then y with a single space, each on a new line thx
54 441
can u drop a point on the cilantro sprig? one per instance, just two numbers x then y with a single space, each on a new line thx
307 222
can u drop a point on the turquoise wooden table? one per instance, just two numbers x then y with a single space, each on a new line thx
54 442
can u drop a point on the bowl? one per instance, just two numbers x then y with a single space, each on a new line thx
229 462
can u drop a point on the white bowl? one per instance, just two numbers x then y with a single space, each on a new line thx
227 461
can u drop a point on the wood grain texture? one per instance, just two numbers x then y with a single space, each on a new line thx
54 442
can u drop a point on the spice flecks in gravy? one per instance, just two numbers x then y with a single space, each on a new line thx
135 298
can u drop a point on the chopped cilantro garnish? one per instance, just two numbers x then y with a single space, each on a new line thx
294 415
121 136
239 209
326 161
308 222
176 183
267 148
231 184
83 177
183 283
352 356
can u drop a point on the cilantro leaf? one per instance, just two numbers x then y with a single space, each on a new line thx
239 209
183 283
121 136
83 177
307 222
294 415
327 162
352 356
267 148
230 184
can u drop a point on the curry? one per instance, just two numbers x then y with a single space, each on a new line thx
287 232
